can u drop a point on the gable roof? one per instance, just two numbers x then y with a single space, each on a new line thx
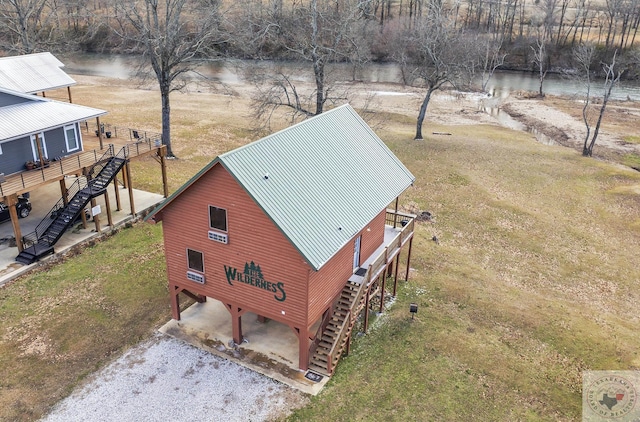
320 181
33 73
39 114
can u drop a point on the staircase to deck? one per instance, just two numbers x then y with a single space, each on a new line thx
337 333
64 214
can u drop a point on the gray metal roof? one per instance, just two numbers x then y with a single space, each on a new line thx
33 73
320 181
38 115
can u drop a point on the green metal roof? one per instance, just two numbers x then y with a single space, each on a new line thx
321 181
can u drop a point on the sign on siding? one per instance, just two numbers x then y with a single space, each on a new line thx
252 275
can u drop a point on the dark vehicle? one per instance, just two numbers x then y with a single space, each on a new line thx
23 207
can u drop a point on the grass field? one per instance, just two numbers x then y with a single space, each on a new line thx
533 280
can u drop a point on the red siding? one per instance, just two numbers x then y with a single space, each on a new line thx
325 284
252 238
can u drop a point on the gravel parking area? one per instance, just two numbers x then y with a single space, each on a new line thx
165 379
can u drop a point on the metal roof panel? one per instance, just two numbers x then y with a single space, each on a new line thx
33 73
320 181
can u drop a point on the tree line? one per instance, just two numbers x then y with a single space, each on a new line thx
436 43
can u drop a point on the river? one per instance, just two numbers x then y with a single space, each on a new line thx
500 85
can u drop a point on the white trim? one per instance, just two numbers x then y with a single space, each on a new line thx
195 269
226 219
34 148
66 138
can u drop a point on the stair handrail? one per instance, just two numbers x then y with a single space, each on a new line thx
48 219
97 167
334 353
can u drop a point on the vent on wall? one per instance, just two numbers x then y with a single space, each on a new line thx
219 237
198 278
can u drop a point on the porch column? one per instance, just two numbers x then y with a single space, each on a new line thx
39 150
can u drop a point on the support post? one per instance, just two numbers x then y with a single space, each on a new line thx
174 291
395 275
69 93
64 192
96 218
108 207
406 277
366 308
163 165
117 192
303 348
99 132
12 201
130 188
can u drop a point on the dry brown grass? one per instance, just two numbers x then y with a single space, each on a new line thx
534 278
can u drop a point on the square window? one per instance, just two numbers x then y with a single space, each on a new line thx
217 218
195 260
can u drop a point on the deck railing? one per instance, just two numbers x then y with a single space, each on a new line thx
379 264
25 181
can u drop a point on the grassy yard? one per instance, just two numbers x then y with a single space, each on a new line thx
533 280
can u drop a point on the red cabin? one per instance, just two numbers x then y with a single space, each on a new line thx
295 228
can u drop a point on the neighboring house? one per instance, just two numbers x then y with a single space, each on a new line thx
293 228
34 73
34 129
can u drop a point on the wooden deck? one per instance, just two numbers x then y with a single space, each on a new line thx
28 180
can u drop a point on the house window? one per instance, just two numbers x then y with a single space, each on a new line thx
195 260
71 138
217 218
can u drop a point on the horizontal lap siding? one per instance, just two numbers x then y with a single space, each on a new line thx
252 237
325 284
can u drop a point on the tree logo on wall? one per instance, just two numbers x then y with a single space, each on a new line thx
252 275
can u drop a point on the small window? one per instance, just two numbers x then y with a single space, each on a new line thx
217 218
195 260
71 138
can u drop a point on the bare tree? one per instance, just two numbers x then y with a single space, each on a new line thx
29 25
584 55
173 38
436 54
491 59
317 34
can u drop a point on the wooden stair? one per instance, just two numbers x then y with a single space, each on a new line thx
337 333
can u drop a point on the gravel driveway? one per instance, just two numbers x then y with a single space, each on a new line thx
165 379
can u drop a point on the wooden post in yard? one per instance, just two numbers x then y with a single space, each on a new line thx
69 92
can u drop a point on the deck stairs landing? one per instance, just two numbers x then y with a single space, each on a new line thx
63 215
337 333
